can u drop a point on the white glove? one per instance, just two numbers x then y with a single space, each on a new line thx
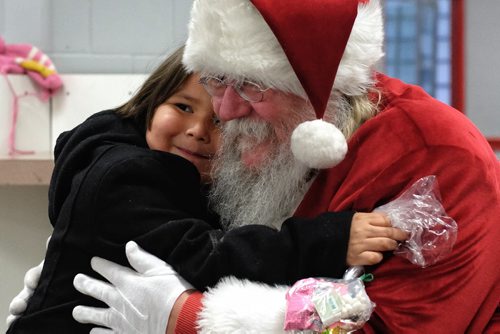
20 302
140 301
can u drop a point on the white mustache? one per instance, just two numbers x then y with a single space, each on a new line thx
248 128
245 134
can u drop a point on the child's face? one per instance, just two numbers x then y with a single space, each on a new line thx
185 125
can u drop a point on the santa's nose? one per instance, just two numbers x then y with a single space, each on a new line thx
231 105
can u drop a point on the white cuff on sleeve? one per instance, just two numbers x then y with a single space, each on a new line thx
242 306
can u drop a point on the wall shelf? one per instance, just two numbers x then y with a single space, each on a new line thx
40 123
26 170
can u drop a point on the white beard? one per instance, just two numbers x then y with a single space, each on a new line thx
265 195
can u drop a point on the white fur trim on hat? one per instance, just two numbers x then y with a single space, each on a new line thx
230 38
364 49
241 306
318 144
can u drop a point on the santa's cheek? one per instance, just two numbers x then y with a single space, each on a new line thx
266 112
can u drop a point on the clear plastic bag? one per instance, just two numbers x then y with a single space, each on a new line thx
331 305
419 211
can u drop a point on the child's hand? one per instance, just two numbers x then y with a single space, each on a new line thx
371 234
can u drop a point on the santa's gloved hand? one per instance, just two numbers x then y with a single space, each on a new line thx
139 301
20 301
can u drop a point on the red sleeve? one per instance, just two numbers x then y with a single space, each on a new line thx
494 324
458 294
186 322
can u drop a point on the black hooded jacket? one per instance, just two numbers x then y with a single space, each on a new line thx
108 188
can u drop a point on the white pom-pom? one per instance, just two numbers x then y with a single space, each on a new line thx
318 144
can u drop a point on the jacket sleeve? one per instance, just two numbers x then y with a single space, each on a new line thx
147 200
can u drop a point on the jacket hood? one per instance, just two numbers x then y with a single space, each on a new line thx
77 148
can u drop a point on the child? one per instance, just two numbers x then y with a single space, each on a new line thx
134 174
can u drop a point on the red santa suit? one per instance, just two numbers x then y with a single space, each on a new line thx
293 47
413 136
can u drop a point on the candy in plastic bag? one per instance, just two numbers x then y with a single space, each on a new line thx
318 304
419 211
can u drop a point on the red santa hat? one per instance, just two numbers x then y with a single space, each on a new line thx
302 47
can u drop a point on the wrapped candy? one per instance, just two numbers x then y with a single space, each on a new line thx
331 305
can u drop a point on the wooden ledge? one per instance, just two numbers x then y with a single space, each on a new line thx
26 170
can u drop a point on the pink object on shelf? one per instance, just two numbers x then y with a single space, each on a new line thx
28 60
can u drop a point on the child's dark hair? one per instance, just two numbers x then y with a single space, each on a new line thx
158 87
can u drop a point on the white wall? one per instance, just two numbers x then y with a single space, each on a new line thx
112 36
483 65
24 228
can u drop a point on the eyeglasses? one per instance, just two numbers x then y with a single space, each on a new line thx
249 91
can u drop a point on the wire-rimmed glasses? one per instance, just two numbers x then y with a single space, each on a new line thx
249 91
